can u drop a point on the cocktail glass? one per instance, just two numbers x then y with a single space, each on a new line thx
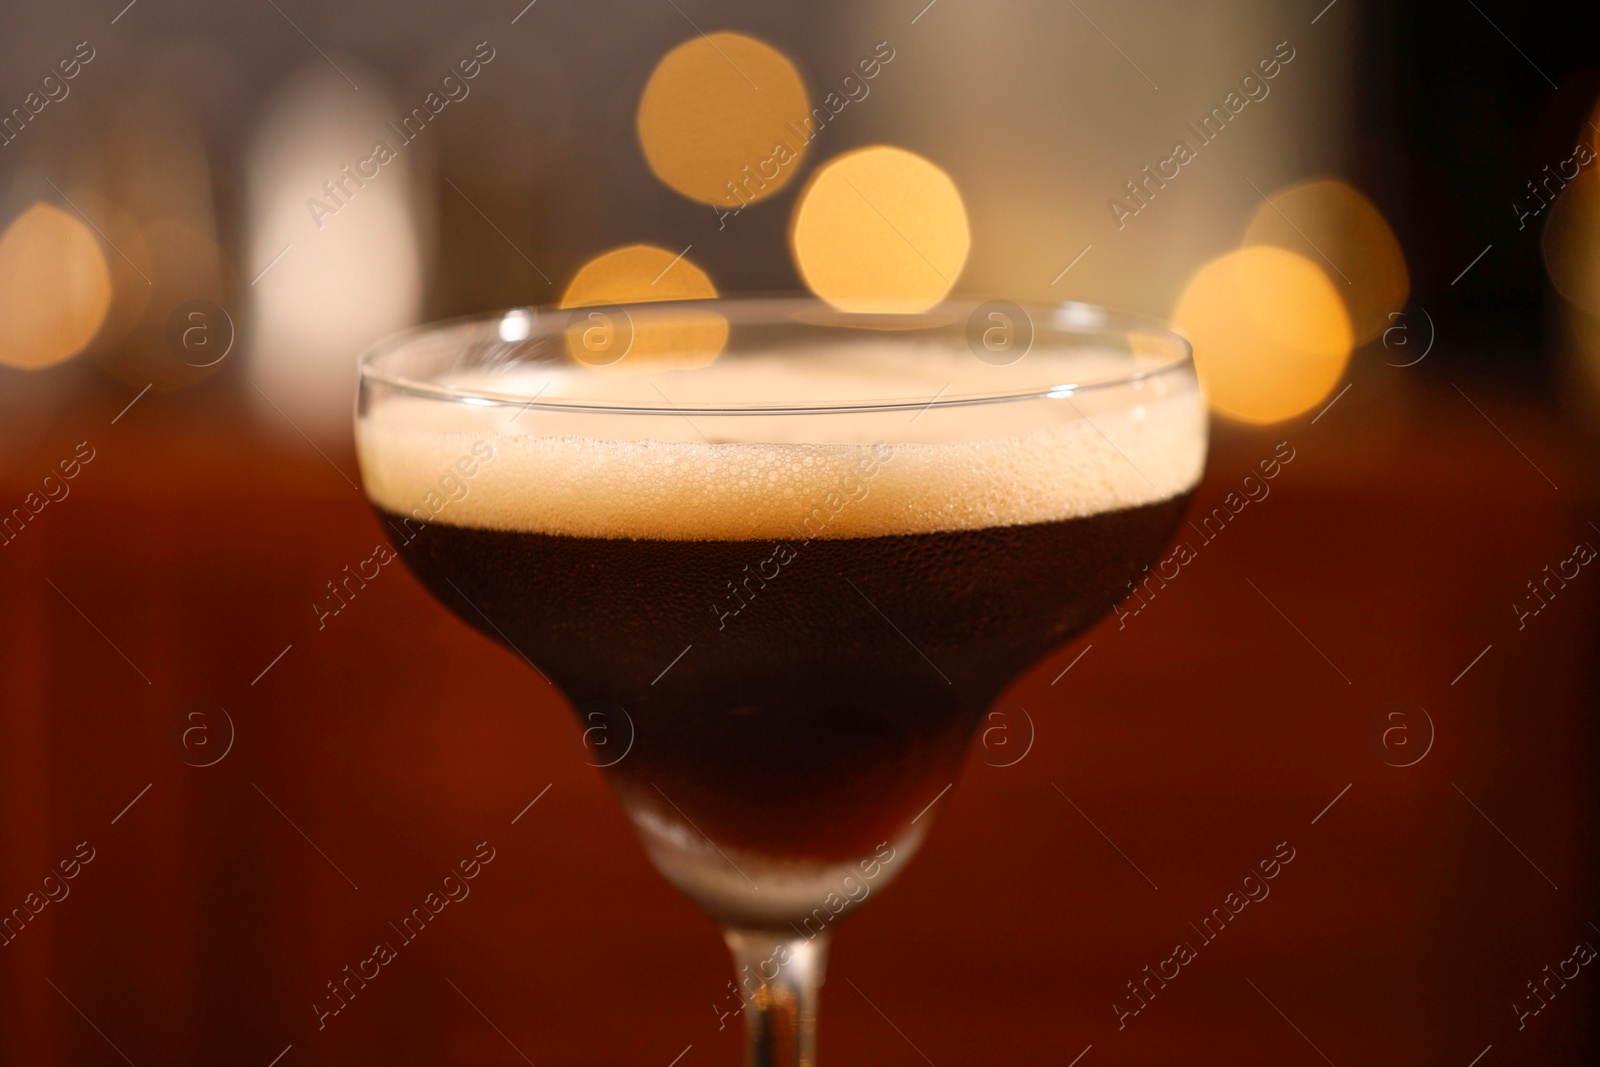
783 558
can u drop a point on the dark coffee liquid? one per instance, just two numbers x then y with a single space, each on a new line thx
829 686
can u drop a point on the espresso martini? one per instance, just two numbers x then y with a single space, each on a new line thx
802 617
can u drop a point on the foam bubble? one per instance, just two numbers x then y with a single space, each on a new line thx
721 477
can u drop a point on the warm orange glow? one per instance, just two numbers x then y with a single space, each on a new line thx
1571 245
642 274
723 119
1346 235
637 274
1271 335
880 230
55 288
1330 223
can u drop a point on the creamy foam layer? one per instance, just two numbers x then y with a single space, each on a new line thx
709 477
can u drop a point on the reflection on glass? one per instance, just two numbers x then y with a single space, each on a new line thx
608 340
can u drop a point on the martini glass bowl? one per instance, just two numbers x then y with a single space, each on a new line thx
781 559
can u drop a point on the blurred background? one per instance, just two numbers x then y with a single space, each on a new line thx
1383 233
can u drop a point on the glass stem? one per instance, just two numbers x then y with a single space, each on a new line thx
778 979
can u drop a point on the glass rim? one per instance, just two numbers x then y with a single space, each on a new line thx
1069 318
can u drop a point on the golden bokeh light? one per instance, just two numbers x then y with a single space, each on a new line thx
622 345
1571 245
880 230
1330 223
1271 335
723 119
55 288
